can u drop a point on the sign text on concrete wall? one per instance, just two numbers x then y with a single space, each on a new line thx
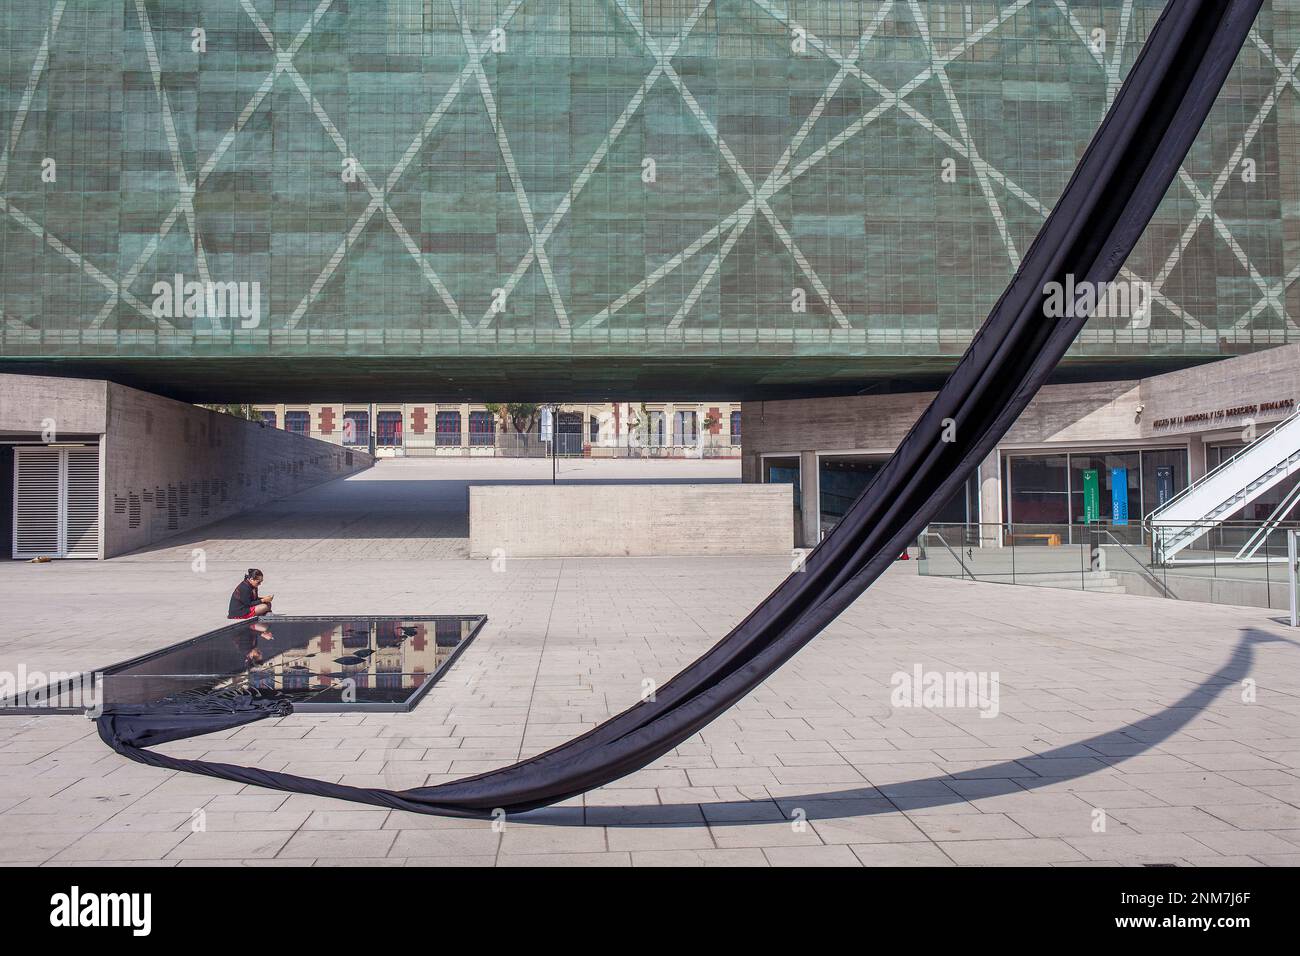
1222 414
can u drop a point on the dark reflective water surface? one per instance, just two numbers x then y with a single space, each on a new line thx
319 663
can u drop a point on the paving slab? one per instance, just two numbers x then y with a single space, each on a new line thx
1123 704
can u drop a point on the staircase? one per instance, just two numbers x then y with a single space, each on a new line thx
1212 499
1094 582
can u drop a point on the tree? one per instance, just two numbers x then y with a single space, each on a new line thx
246 412
522 415
642 425
632 423
498 412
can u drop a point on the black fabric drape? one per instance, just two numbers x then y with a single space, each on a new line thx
1111 197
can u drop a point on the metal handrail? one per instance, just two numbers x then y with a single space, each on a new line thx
956 557
1142 568
1146 522
1271 523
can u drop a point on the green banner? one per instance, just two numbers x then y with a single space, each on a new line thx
1091 497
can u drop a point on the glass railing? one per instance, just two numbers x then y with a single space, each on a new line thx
1108 559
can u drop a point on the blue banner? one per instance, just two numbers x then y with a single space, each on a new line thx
1119 496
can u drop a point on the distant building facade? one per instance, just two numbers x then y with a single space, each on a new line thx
592 430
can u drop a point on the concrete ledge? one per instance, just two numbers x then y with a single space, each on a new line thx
592 520
1239 592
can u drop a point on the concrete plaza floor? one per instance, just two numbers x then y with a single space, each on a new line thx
1173 726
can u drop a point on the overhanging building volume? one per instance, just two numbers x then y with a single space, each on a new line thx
420 199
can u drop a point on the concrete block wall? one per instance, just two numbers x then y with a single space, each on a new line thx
166 467
1212 402
1240 592
75 407
590 520
1253 379
875 424
170 467
1085 412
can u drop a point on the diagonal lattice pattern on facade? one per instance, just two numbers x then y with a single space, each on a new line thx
518 180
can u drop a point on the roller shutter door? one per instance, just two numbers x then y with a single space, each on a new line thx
56 502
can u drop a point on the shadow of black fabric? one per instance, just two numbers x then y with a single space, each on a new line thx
1108 202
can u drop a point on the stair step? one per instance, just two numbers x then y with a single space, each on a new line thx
1092 587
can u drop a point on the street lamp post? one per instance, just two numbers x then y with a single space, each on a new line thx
555 433
1293 571
552 433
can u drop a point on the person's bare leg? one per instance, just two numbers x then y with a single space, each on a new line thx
262 609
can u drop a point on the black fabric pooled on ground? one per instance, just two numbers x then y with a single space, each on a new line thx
1111 197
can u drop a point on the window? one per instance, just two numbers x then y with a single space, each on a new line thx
656 437
1164 474
783 471
1039 491
447 429
840 480
356 428
268 418
735 428
297 422
1119 494
685 428
594 430
1111 490
388 429
482 428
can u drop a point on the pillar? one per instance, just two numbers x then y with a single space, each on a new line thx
810 500
991 496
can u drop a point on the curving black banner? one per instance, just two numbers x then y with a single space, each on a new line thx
1100 216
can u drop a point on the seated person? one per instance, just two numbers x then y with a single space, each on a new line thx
245 602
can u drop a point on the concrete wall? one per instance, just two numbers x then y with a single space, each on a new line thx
170 467
591 520
876 424
1209 403
1087 412
1246 379
75 407
167 467
1241 592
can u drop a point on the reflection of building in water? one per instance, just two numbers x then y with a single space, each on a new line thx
381 655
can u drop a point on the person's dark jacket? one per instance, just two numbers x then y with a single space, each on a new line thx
244 599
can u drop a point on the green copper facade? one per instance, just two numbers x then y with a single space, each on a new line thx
493 197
